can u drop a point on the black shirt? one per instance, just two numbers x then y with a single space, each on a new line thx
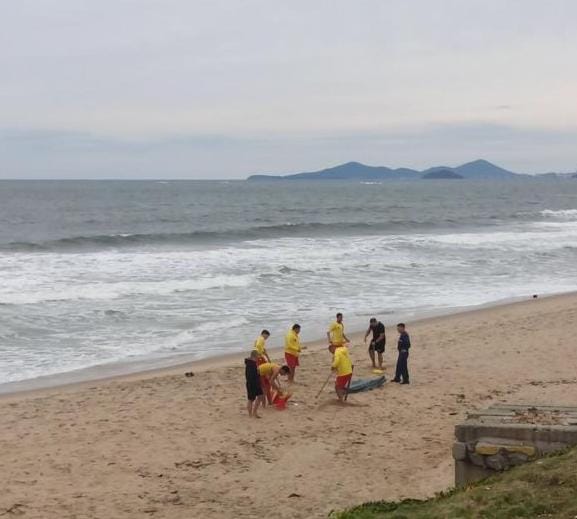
378 330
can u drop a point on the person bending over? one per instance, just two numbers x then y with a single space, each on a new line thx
343 367
269 372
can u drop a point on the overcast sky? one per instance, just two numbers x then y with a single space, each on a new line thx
226 88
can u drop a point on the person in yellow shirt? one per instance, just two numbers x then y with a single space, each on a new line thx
336 334
260 346
292 350
343 367
269 373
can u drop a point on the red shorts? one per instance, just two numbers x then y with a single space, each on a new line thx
292 361
342 382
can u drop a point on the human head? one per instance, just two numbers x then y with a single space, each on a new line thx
296 328
401 327
372 322
339 317
265 334
285 370
332 348
254 355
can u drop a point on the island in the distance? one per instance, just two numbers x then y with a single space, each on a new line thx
442 174
478 170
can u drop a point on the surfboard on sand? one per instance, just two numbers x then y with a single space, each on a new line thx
366 384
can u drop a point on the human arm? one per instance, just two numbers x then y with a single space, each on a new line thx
367 334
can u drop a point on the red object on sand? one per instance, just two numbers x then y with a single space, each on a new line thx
280 402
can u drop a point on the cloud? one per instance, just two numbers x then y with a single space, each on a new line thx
268 85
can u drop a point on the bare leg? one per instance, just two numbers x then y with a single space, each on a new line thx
249 406
257 402
380 360
291 377
341 395
372 355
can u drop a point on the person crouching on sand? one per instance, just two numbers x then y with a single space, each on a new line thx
292 350
253 387
343 367
269 373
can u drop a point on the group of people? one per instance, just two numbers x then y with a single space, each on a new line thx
262 375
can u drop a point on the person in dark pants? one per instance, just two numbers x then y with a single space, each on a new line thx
253 388
378 342
404 344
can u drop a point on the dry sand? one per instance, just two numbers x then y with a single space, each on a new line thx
165 446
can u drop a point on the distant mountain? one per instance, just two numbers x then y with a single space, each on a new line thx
442 174
348 171
479 169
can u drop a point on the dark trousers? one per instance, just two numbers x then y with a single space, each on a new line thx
402 366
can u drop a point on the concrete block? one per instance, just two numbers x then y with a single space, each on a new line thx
459 451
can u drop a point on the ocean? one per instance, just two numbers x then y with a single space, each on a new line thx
96 273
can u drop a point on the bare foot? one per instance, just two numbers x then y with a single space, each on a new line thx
256 415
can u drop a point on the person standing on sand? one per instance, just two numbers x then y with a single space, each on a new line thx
404 344
343 367
253 387
336 334
378 341
260 346
292 350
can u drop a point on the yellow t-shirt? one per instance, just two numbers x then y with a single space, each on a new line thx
292 343
266 369
337 331
342 362
259 345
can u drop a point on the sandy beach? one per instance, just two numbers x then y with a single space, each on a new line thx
163 445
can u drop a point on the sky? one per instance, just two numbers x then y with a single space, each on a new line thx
225 89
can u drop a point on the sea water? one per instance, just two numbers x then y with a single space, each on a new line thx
101 272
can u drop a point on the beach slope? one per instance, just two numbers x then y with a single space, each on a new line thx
166 446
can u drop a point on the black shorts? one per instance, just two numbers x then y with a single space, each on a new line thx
379 347
253 391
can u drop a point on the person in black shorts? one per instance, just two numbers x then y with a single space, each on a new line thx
253 388
378 341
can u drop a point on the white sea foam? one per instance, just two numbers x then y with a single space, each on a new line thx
565 214
215 300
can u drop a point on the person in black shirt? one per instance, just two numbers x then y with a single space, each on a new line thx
253 388
378 341
404 344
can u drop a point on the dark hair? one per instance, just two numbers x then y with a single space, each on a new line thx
401 325
265 332
296 327
372 320
339 315
285 370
